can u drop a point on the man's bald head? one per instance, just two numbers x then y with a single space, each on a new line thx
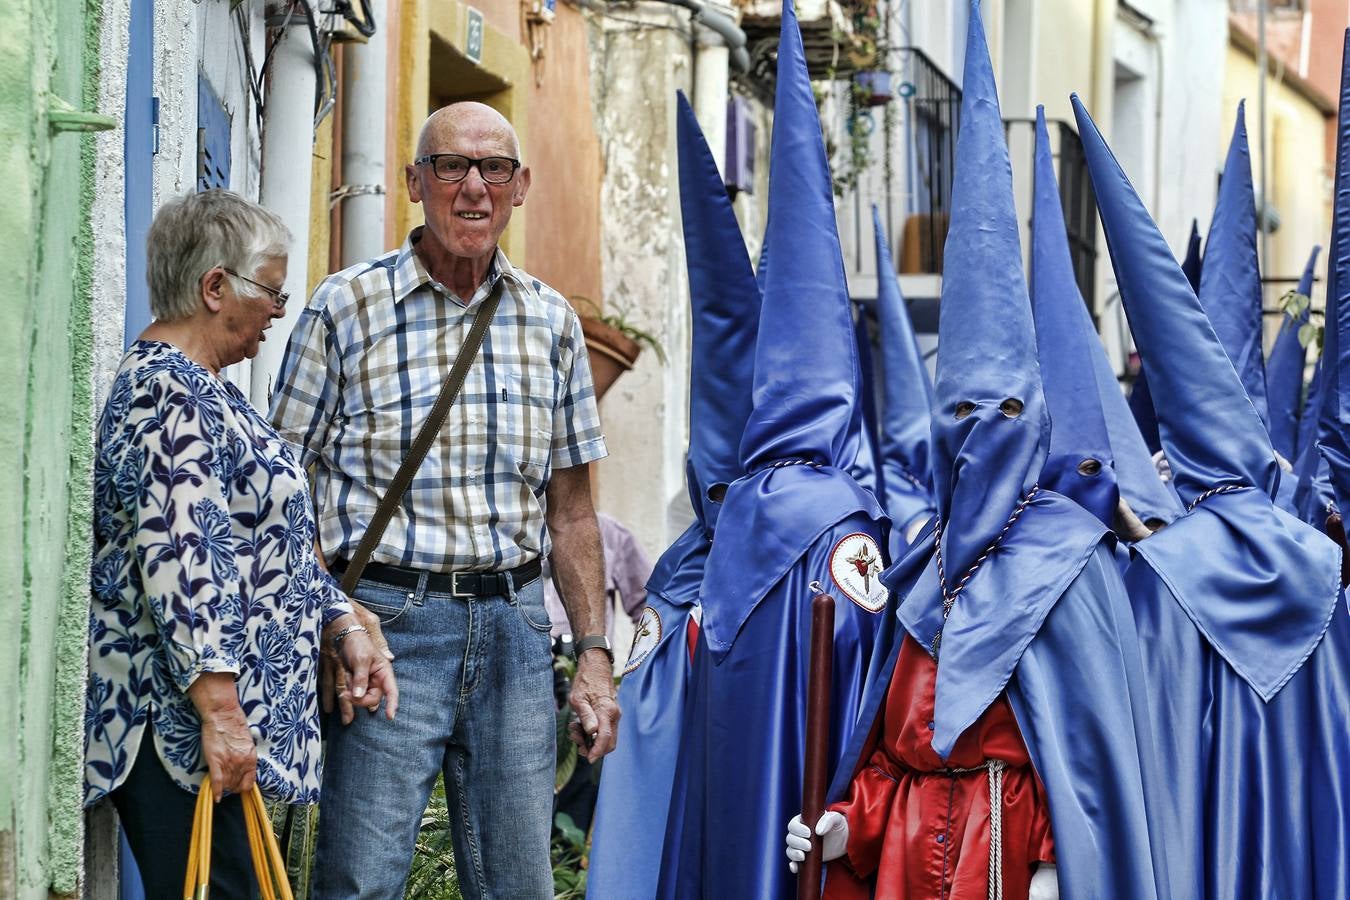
467 120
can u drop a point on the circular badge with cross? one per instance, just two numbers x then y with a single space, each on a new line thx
645 639
855 568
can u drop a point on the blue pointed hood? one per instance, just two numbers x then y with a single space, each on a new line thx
1141 399
1268 584
1212 434
1080 464
1284 372
990 427
1230 283
1334 430
905 430
725 311
806 422
805 402
999 556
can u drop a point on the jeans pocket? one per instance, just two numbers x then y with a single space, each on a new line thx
530 602
385 601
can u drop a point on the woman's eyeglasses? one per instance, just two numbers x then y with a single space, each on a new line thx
279 297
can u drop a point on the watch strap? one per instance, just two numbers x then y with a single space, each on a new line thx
594 642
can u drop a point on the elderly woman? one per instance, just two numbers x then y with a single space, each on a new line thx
209 601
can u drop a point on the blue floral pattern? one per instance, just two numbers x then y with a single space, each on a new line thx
203 562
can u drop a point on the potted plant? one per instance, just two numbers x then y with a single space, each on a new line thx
614 343
873 87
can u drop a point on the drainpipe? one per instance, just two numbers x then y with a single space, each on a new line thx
712 54
363 143
710 16
287 155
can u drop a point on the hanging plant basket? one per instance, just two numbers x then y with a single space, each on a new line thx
612 352
876 87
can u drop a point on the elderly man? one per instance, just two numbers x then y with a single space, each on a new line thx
454 580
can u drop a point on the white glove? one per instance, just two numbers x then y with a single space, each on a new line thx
832 828
1044 883
1163 466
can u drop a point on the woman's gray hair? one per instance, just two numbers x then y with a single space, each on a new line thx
196 232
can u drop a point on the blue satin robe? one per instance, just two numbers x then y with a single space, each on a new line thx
739 777
1258 792
637 778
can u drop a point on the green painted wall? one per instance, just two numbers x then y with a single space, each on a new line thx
48 53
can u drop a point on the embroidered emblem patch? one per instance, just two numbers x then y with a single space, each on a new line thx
855 567
645 639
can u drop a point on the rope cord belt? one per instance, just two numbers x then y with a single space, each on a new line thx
949 597
1221 489
995 769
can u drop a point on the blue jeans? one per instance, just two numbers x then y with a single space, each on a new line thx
476 703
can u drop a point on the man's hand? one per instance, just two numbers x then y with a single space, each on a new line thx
227 745
334 672
595 730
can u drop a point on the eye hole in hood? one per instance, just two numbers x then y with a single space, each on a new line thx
1011 407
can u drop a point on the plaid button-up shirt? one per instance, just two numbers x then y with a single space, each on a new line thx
362 370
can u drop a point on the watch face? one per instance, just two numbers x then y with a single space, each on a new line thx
645 639
855 568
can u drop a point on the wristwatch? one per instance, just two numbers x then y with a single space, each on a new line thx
593 642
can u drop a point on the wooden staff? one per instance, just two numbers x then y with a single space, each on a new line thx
814 782
1336 531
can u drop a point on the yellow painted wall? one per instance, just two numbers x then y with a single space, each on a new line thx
1298 174
1065 58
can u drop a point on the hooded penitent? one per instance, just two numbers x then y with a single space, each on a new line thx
905 429
1080 465
1284 373
1230 284
793 518
635 794
1232 602
1015 585
1141 402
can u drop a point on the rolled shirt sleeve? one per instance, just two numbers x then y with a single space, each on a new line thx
577 438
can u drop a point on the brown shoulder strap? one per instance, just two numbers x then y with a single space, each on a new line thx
421 444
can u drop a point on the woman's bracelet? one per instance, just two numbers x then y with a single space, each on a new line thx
342 635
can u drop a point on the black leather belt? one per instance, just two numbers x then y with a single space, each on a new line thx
456 584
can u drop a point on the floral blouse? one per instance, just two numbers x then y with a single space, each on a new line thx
203 562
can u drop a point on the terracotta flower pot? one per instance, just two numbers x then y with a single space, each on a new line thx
612 353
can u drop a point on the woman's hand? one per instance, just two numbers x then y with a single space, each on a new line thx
227 745
359 667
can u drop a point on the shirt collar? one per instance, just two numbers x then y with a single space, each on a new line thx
410 273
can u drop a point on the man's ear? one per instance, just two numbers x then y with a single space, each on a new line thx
521 188
213 289
414 185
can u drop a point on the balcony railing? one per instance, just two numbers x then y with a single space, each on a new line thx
1075 192
933 106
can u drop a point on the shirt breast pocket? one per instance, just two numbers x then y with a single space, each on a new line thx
526 398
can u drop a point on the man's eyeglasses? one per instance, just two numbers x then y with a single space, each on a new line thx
279 297
454 168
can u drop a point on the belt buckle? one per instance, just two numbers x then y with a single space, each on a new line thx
455 589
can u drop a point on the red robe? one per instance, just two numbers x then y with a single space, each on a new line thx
918 831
